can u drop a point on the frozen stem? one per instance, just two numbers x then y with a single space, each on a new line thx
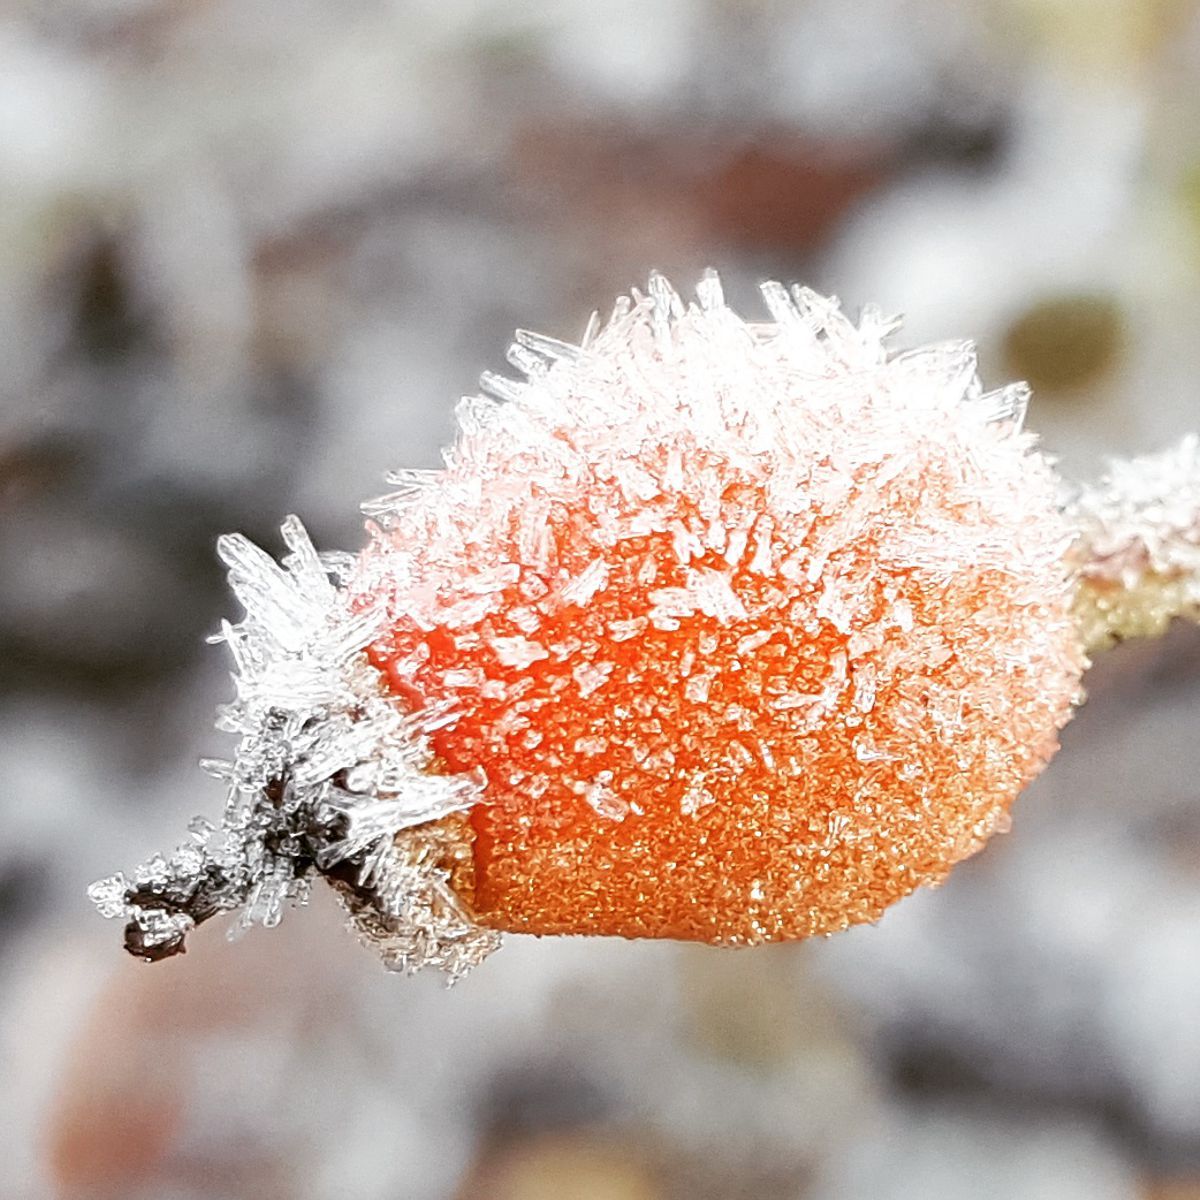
1137 555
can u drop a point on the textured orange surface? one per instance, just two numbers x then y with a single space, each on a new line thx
723 693
750 809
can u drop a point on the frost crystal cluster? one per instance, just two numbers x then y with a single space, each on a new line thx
331 775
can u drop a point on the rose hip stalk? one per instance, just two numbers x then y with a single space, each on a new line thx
708 629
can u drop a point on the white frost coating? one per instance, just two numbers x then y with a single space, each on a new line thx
330 769
732 385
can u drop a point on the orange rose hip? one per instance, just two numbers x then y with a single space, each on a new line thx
749 630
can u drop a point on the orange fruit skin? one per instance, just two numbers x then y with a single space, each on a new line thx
751 628
786 767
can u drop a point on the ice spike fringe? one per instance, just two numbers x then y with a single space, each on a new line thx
708 629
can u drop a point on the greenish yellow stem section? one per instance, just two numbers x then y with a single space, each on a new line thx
1137 553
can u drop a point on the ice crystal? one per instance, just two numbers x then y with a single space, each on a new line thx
332 775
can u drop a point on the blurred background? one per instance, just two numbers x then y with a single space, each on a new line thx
251 254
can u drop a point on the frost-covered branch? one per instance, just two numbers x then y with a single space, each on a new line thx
1138 552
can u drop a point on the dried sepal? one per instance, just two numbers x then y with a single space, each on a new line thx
332 773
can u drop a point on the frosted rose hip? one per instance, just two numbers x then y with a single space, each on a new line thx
708 630
751 629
